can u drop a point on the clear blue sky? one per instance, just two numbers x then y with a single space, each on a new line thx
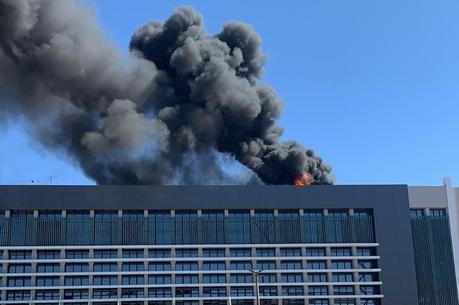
372 86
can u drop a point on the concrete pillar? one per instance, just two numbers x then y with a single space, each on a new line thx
453 211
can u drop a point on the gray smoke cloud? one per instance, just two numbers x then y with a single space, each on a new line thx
181 108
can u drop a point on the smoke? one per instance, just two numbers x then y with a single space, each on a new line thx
181 108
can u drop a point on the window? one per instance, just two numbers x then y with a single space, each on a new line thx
213 278
366 264
316 265
288 227
341 252
267 278
213 253
159 267
186 292
186 253
159 279
76 280
76 267
317 290
370 302
268 291
295 265
291 278
186 279
266 265
80 228
133 253
241 278
344 302
48 268
437 212
213 227
266 252
19 281
242 265
47 295
315 252
238 229
132 293
341 264
186 266
49 254
342 277
77 254
295 290
290 252
159 292
317 277
240 252
160 253
18 295
319 302
368 277
105 254
20 255
214 291
76 294
241 291
343 290
186 228
365 252
105 294
19 268
48 281
105 267
105 280
416 213
107 227
213 266
369 290
133 267
133 280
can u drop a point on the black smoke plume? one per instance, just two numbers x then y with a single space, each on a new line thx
171 112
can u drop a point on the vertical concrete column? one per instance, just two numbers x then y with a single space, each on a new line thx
453 211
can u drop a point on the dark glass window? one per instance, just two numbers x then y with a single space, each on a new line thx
267 278
213 253
317 290
266 265
47 295
105 267
80 229
19 268
18 295
416 213
369 290
241 265
107 228
22 228
132 280
266 252
241 291
344 302
213 266
134 228
105 254
438 212
49 254
313 226
186 292
263 227
159 267
48 281
368 277
76 280
77 254
186 279
186 266
213 227
50 228
214 291
19 255
76 294
292 290
316 265
288 227
343 290
129 253
341 252
291 277
342 277
132 293
48 268
290 265
159 292
319 302
315 252
105 294
341 264
213 278
238 227
133 267
76 267
367 264
105 280
159 279
186 227
186 253
159 253
290 252
241 278
317 277
18 282
160 230
268 291
240 252
365 252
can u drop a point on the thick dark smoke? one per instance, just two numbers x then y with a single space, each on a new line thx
179 109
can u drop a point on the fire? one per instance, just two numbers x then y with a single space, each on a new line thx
304 179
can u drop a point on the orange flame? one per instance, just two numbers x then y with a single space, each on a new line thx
304 179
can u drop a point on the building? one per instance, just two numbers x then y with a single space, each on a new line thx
199 245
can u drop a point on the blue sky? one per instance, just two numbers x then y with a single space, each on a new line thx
372 86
